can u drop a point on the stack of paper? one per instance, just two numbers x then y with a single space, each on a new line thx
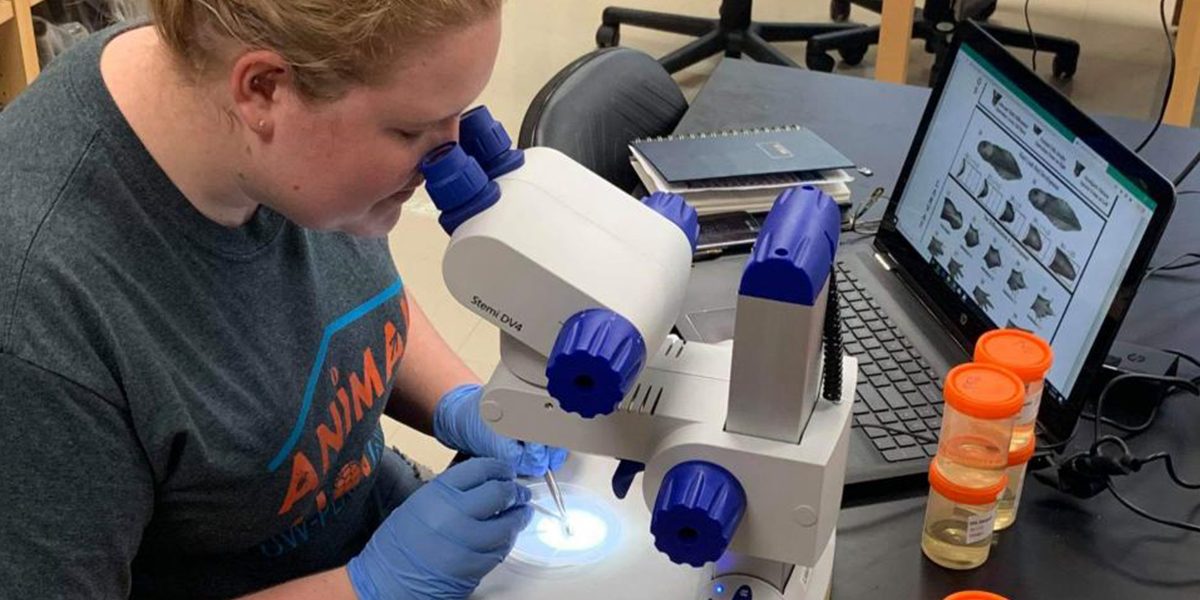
750 194
740 170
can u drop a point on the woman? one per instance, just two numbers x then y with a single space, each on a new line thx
201 324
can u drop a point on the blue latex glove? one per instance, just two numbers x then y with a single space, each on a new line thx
445 537
457 424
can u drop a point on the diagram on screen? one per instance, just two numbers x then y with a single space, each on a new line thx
1009 214
1000 159
1018 214
1042 307
971 239
1033 240
1062 265
1016 281
936 248
982 298
955 269
992 258
1056 210
951 215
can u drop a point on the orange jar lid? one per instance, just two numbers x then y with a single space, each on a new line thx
1023 353
984 391
975 595
962 494
1022 455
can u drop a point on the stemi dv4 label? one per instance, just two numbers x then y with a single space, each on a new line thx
495 313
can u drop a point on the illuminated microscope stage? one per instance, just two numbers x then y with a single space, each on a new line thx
546 545
609 555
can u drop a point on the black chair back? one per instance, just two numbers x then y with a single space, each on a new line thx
599 103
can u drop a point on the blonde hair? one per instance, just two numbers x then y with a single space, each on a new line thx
330 44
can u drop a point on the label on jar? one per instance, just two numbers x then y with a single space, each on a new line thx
979 527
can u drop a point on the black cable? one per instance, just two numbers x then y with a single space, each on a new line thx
1168 379
1130 429
1079 474
1186 358
1032 38
1162 13
1050 448
1145 515
856 224
924 439
1189 168
1166 458
1174 265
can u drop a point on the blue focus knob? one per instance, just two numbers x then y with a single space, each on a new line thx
486 140
698 509
678 211
596 358
457 185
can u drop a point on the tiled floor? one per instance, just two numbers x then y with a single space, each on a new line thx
1122 71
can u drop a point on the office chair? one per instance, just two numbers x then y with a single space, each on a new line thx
595 106
935 24
734 33
839 11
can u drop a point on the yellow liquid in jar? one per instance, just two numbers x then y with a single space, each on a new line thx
1006 509
1022 436
972 462
944 542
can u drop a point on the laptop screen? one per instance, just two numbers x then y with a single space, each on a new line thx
1025 222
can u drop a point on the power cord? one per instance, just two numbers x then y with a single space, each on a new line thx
857 224
1169 380
1090 472
1174 265
1132 430
1166 458
1188 358
1032 38
1187 170
1145 515
1162 13
1047 449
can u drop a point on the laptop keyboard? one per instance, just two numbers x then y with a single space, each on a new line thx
897 388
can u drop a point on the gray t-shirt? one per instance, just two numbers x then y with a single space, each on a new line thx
186 410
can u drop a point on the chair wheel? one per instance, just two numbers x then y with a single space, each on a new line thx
853 56
608 36
839 11
1065 65
819 61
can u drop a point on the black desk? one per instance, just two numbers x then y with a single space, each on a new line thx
1060 547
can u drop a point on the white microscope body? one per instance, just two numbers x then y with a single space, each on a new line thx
744 464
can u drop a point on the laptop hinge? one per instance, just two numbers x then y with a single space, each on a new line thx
885 261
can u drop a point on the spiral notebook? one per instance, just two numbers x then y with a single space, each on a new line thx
789 150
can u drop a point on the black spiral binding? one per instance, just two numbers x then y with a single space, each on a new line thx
832 375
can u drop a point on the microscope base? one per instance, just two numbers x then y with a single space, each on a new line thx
805 583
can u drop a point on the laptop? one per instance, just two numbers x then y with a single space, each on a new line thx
1013 209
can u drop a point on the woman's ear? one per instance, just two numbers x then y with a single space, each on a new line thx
256 83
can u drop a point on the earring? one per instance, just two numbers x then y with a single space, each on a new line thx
261 123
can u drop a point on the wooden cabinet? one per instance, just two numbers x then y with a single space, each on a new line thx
18 52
